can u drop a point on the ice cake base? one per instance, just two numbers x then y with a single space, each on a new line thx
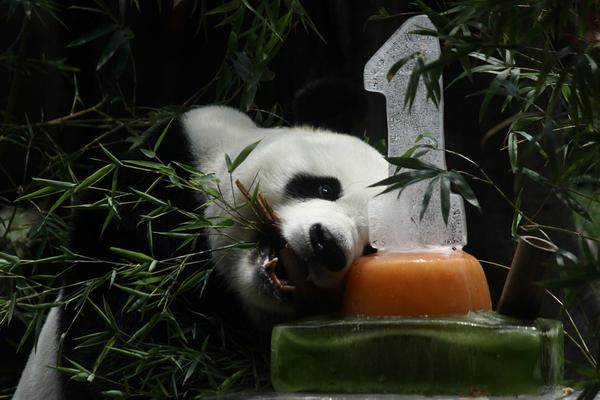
475 354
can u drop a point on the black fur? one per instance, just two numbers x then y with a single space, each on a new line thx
304 186
129 232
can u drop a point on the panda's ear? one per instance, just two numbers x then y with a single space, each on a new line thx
217 129
336 104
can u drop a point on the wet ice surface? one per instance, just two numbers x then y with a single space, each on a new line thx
442 354
394 223
275 396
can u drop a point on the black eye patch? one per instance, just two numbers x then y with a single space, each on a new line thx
304 186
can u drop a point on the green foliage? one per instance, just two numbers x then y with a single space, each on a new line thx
201 357
542 61
31 8
177 368
232 165
250 48
539 61
411 169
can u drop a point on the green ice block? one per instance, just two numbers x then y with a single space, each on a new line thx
475 353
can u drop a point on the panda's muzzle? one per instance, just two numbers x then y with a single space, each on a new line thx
326 250
282 271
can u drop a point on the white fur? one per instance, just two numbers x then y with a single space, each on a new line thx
39 380
282 153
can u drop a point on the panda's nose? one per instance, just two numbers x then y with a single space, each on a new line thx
325 248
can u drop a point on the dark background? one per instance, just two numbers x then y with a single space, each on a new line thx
174 59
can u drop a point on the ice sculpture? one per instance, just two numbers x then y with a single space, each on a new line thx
398 335
394 222
477 353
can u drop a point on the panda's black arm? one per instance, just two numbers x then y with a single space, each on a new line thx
127 231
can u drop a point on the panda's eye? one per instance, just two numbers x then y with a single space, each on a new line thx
305 186
326 192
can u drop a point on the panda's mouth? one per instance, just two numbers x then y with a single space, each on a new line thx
274 260
286 279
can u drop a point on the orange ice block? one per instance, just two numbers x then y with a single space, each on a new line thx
416 283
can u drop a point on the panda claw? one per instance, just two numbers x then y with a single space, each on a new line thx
280 284
288 288
271 264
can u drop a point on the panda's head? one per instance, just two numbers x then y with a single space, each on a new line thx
317 183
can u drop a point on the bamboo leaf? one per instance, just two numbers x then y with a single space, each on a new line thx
93 35
406 178
43 192
30 328
111 156
55 184
412 163
212 191
148 153
427 196
535 176
117 394
570 201
224 8
411 88
573 279
194 280
107 220
103 316
460 185
162 135
512 151
150 240
118 38
132 255
518 216
149 197
228 163
445 196
227 383
9 258
399 64
144 329
163 169
94 177
232 165
134 292
64 197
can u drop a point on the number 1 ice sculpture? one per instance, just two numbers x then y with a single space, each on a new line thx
394 222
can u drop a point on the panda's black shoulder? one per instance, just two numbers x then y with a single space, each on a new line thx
332 103
170 140
92 236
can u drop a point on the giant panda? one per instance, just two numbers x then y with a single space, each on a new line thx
316 181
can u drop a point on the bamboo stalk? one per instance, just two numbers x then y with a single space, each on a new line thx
521 297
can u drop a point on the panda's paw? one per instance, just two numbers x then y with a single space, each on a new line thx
274 269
